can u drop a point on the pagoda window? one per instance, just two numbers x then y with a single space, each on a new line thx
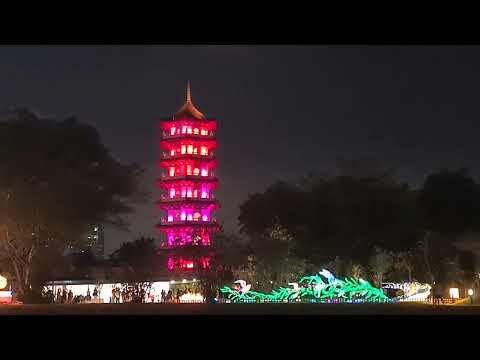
205 217
204 172
196 239
184 129
184 149
189 169
184 192
190 149
206 240
203 150
189 193
189 217
195 150
172 130
203 132
172 193
195 131
204 194
196 171
170 218
172 152
183 216
197 216
195 193
189 130
172 171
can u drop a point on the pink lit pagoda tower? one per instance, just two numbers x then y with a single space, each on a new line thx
188 183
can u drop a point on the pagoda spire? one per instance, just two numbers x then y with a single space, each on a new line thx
189 94
188 110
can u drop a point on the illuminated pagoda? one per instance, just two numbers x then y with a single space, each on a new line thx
188 183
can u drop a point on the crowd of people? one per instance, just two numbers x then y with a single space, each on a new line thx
63 296
135 294
124 294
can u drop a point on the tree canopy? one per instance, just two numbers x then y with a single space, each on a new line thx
56 179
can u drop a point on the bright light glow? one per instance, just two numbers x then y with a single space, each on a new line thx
184 192
184 281
412 291
196 171
172 282
172 130
3 282
194 279
294 286
172 193
172 171
203 132
205 217
189 193
172 152
195 131
203 150
189 297
5 297
195 193
470 292
204 172
189 130
95 228
183 216
183 149
204 194
170 218
189 217
454 294
190 149
189 169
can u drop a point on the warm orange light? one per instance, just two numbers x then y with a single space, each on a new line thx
454 293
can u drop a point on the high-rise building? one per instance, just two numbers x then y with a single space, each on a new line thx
188 182
96 241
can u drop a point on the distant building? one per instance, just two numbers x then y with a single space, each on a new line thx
96 241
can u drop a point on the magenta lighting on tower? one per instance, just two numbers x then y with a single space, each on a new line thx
188 182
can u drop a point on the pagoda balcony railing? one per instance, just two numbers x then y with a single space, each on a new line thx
164 221
166 136
194 177
167 156
165 246
166 198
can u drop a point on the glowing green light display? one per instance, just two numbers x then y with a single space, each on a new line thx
313 287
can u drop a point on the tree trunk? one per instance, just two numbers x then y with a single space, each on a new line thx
19 275
425 256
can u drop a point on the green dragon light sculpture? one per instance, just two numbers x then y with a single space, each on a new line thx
310 288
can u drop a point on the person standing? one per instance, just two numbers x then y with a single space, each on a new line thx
70 296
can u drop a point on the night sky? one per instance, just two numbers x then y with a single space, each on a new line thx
282 110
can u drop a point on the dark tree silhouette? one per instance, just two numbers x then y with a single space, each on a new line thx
56 179
449 202
140 256
338 216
